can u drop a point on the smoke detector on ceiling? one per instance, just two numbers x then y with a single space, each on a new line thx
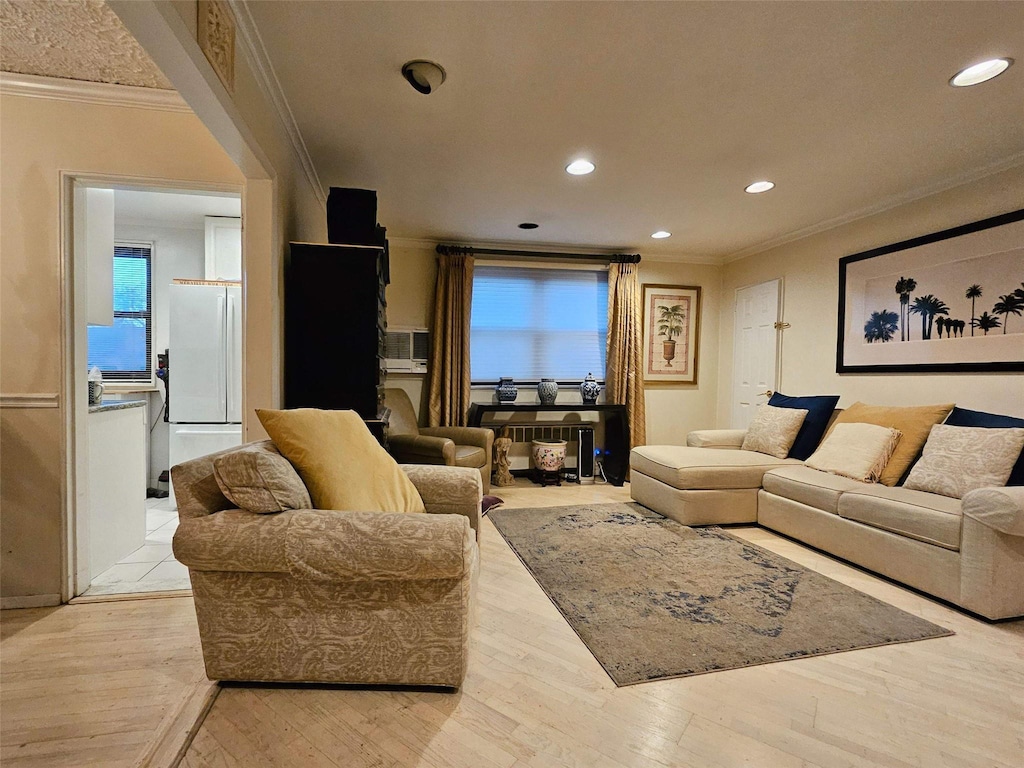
425 76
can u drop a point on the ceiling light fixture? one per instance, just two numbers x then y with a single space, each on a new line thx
661 234
528 225
580 167
759 186
425 76
979 73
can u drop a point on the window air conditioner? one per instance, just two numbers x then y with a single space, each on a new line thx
407 350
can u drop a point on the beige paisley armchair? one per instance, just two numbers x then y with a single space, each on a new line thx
316 596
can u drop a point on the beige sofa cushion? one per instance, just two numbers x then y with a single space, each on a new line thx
820 490
773 430
702 469
859 451
926 517
958 460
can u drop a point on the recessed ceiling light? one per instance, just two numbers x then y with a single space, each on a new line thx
528 225
661 234
979 73
759 186
580 167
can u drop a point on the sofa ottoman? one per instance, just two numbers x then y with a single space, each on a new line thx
697 486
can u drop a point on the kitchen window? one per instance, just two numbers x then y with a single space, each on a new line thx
123 351
532 323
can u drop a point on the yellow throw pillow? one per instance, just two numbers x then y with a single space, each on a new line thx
340 462
913 422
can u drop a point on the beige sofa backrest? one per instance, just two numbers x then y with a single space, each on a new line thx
196 489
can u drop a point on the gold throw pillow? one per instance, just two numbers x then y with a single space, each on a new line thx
914 423
340 462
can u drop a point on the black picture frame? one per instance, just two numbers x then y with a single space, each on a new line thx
998 237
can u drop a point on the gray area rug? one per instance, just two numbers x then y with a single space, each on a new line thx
653 599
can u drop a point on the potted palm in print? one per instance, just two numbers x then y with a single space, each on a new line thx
670 325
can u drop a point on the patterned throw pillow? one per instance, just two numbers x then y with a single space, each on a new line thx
858 451
957 460
260 480
773 430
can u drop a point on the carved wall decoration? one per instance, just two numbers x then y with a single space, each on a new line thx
216 36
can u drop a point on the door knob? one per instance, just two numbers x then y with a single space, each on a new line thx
766 393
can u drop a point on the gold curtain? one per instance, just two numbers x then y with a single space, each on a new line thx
449 361
624 378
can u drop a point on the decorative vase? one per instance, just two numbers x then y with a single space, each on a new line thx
549 455
507 391
547 390
669 351
589 390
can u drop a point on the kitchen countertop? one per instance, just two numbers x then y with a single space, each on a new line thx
116 405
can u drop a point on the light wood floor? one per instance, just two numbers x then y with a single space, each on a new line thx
79 688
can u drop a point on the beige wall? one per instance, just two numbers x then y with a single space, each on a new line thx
672 410
39 138
810 272
675 409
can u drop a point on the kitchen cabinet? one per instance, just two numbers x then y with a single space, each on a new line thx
117 482
94 248
223 248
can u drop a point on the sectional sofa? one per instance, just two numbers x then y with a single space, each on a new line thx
969 552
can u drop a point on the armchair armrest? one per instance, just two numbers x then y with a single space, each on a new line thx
421 449
478 436
999 508
377 546
716 438
448 490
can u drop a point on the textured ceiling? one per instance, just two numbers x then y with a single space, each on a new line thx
75 40
845 105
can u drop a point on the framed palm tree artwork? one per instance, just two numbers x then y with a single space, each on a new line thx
948 302
671 333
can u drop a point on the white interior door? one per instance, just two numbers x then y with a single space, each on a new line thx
755 345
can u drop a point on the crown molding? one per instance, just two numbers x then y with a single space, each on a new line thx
256 52
87 92
886 204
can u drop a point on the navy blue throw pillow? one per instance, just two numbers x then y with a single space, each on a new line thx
819 411
961 417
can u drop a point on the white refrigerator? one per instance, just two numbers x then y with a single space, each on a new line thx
205 382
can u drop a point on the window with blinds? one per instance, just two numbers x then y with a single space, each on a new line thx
532 323
124 350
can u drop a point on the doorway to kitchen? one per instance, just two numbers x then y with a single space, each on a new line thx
156 376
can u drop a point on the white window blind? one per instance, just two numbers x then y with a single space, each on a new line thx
531 323
123 351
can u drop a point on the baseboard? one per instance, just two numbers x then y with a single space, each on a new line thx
29 601
174 735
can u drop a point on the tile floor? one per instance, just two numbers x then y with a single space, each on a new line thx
152 567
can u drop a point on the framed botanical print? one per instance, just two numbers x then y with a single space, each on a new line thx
671 333
949 302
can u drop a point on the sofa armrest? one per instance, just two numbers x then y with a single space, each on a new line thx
478 436
716 438
421 449
324 545
448 490
999 508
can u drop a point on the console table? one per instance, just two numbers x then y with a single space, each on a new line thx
614 457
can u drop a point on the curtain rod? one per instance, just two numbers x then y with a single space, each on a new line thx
462 250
